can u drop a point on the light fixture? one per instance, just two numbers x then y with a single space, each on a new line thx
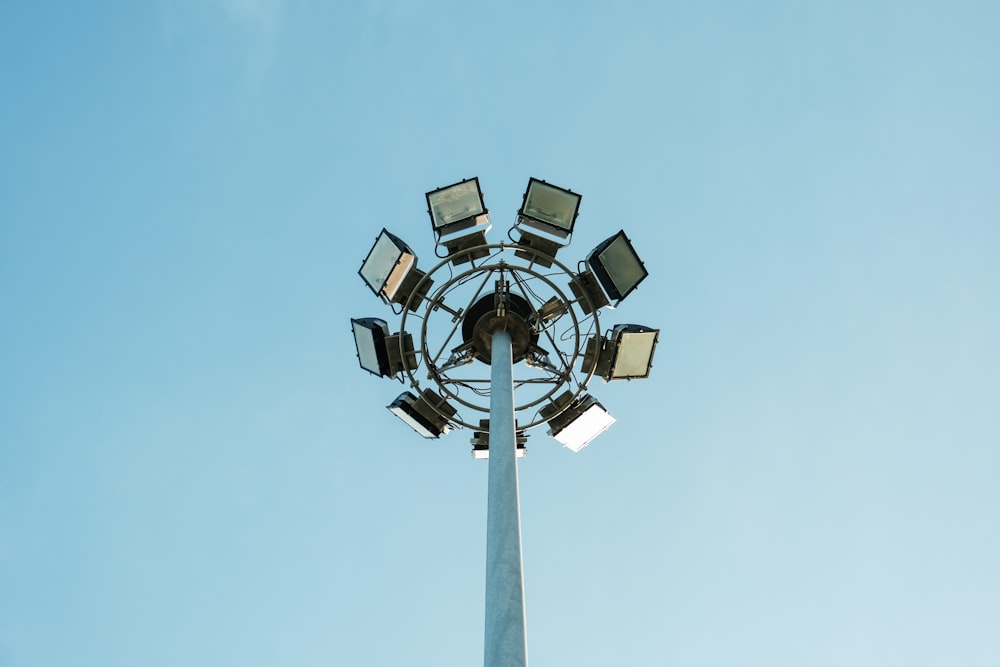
481 441
456 207
626 354
427 414
617 266
549 208
575 422
390 270
380 353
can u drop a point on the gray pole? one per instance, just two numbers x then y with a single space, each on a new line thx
506 640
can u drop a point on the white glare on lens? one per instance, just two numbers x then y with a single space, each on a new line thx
593 422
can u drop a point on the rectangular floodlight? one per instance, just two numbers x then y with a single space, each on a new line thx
617 266
578 424
370 334
387 264
424 414
549 208
456 207
632 346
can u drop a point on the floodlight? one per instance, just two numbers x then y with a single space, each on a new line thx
390 270
617 266
549 208
457 207
481 441
626 354
427 414
378 352
575 422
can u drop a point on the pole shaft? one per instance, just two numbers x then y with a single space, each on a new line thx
506 638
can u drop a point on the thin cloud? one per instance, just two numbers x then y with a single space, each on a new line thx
258 23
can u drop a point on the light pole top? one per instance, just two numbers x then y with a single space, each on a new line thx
551 313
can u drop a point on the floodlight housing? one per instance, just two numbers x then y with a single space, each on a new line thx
457 207
481 441
549 208
369 338
617 267
390 271
379 353
626 354
467 247
575 422
588 292
542 250
429 414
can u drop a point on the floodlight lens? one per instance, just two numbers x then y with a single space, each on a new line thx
634 355
551 205
369 336
386 264
617 266
455 203
594 421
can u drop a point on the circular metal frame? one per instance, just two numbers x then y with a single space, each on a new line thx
493 265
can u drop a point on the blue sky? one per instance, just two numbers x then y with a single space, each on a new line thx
194 470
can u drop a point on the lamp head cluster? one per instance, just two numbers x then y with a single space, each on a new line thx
458 318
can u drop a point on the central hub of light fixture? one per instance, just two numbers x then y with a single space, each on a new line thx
506 311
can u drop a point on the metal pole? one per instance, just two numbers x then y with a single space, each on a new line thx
506 639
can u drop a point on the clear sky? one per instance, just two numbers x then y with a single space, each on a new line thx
195 471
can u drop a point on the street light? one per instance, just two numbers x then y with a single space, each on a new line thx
499 313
